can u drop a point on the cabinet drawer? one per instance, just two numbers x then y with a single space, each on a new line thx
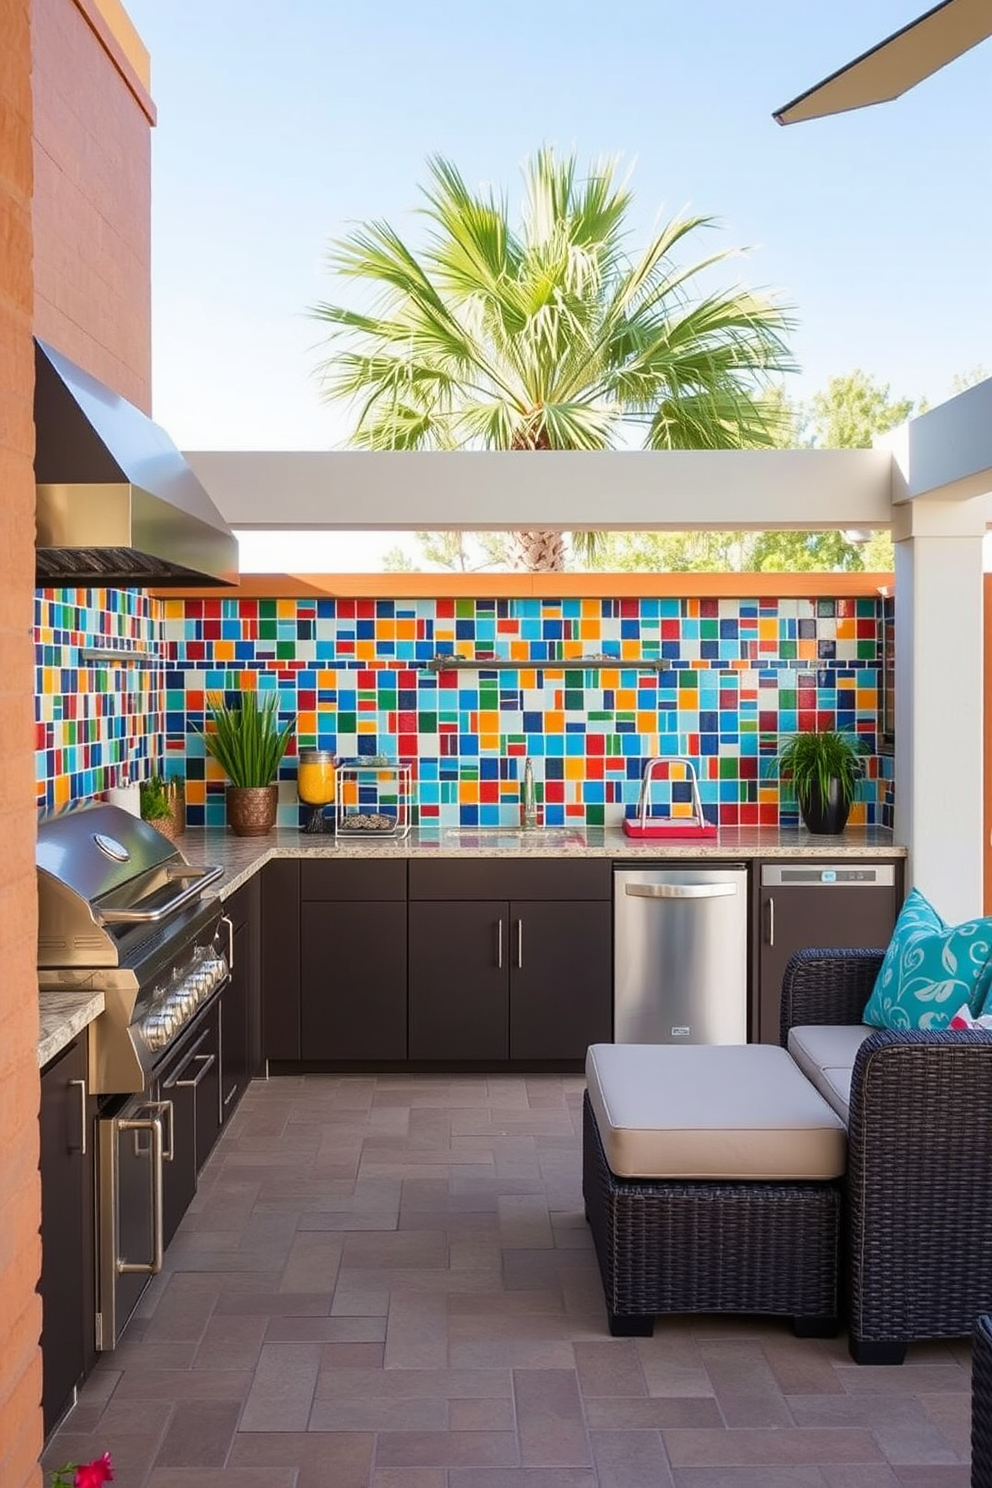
354 879
511 878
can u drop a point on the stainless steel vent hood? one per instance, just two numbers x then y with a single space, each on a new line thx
116 501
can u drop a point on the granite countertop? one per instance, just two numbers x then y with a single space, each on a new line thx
241 857
63 1014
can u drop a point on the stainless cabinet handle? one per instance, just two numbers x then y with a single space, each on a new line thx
680 891
81 1087
172 1080
520 944
499 943
228 924
771 922
153 1126
164 1108
206 1062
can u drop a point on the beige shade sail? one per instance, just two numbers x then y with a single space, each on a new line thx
897 63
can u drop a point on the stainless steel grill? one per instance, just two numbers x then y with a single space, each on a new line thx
121 911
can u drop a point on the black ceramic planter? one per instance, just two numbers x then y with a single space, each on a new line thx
825 815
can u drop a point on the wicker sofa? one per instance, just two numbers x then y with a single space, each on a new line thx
917 1210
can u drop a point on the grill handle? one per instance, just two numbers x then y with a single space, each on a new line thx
201 877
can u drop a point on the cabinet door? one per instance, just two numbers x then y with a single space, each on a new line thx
561 979
280 960
67 1236
459 958
793 917
353 980
234 1022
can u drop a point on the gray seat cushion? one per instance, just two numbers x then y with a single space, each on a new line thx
825 1054
711 1111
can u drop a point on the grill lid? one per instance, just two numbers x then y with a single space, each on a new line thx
106 879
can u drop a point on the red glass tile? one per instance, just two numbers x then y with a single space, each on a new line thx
670 630
595 744
807 719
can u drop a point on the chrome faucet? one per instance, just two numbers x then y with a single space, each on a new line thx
528 797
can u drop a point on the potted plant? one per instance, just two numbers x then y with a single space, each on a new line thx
163 805
248 742
823 767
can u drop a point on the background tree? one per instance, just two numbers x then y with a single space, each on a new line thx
547 336
852 409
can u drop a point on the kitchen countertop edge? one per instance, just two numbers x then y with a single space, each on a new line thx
64 1013
242 857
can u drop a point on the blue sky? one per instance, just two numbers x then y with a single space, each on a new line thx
280 126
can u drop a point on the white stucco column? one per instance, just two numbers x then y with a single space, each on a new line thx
938 701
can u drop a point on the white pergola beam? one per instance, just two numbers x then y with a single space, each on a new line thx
630 490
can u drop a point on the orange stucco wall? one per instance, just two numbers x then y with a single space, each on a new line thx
74 269
92 197
20 1313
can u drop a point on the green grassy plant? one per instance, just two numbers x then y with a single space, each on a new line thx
810 761
156 801
246 738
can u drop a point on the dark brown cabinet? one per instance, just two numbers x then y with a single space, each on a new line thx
280 960
240 1013
353 960
67 1284
494 978
830 903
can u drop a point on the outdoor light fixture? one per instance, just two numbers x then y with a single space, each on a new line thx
897 63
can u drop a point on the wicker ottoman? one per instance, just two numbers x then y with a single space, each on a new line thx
710 1178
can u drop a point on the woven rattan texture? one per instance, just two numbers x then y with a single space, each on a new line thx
687 1247
981 1403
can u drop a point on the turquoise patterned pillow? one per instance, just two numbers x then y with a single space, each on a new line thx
930 969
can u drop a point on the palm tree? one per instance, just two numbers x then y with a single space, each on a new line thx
548 337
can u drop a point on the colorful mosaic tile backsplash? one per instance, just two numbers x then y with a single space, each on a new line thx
718 680
98 722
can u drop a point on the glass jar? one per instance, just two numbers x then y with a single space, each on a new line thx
315 777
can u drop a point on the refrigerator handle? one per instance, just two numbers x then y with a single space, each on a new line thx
680 891
771 920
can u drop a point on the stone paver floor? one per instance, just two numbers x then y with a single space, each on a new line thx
387 1282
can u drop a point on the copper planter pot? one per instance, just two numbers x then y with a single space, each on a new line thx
251 809
173 825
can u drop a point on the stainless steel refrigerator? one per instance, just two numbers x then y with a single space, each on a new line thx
680 954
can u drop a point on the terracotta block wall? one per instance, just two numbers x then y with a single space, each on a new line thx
92 196
20 1312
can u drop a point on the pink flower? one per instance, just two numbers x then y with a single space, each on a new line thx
94 1474
87 1475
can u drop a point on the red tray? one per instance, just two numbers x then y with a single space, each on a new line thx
669 829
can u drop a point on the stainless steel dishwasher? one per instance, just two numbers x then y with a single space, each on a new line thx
680 954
